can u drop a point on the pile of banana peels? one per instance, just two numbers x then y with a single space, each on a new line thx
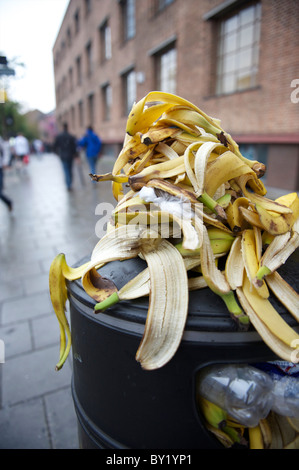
186 200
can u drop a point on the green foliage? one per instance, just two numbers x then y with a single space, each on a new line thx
13 121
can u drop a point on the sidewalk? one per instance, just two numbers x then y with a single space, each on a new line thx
36 408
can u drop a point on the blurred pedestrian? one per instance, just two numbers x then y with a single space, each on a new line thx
38 147
92 144
65 146
21 149
4 163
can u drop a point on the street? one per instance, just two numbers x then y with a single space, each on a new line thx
36 408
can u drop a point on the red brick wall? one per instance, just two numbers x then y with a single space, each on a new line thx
265 110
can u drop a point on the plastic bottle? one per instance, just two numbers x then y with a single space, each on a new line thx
286 396
243 391
285 377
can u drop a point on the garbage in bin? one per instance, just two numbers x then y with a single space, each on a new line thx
285 390
243 391
252 406
232 239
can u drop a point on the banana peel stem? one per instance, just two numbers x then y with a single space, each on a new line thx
109 177
111 300
235 310
213 205
262 272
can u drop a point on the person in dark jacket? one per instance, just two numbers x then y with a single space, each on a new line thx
4 162
92 144
66 147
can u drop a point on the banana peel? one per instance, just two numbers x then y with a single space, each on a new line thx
173 147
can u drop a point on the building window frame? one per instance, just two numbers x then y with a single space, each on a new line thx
129 87
71 79
107 98
162 4
77 21
128 16
91 108
237 49
105 41
69 37
79 70
89 61
81 113
73 117
165 65
88 7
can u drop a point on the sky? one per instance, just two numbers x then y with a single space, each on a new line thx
28 29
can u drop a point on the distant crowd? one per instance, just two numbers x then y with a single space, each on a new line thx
16 151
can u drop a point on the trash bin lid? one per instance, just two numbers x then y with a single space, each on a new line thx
207 311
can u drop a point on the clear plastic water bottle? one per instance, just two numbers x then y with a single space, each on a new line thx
241 390
285 377
286 396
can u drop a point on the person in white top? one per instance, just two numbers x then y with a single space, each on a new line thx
21 147
4 162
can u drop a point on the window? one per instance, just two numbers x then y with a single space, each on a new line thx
87 7
129 87
64 87
77 21
69 37
128 18
62 49
73 116
238 50
80 113
71 83
163 4
105 42
79 70
89 62
166 66
91 109
107 100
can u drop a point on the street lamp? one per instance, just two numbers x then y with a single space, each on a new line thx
4 69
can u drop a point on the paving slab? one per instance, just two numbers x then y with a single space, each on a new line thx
62 420
33 375
45 331
24 308
36 284
17 339
24 426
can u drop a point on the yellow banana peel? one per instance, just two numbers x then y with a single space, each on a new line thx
176 150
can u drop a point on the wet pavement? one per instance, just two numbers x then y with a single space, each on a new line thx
36 408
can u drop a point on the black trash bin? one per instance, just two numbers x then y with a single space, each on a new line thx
121 406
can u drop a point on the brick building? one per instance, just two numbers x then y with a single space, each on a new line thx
236 59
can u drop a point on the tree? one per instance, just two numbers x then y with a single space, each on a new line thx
13 121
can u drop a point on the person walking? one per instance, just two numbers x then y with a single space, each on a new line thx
65 147
21 149
92 144
4 162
